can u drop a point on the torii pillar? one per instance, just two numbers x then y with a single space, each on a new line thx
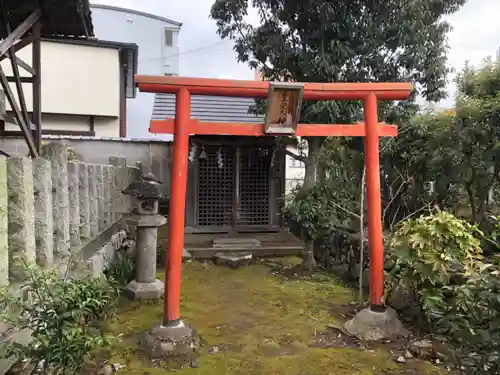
183 126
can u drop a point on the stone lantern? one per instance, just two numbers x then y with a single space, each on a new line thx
147 192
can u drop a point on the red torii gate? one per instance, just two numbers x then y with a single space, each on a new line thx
183 126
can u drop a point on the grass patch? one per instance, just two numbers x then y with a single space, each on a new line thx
259 323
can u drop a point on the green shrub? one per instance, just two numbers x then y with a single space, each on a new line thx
438 259
64 316
430 251
472 319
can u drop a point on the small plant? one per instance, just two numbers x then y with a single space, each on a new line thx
121 270
64 316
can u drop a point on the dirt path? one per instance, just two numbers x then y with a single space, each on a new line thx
254 321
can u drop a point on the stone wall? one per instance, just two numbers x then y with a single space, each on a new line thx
154 156
51 207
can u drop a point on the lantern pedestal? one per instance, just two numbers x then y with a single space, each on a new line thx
146 285
137 290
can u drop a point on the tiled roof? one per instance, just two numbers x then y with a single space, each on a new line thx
208 108
58 17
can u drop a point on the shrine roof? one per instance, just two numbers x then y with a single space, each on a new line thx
65 18
208 108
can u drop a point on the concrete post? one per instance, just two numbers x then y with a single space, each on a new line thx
44 224
93 200
100 197
57 154
4 224
84 197
74 203
21 216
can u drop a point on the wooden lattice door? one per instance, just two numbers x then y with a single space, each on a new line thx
216 185
253 174
233 187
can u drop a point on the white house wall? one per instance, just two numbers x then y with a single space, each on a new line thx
294 172
103 126
155 58
75 80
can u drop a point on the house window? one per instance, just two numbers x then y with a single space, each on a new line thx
169 37
294 163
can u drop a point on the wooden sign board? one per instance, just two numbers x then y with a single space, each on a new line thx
283 109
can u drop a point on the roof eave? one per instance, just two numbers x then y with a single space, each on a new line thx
136 12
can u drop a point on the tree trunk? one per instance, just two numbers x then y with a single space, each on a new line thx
472 201
310 179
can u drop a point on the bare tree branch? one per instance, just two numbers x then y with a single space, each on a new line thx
295 156
395 196
345 210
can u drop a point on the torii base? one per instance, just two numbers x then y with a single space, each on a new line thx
178 342
369 325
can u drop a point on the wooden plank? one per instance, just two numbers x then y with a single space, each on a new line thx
24 42
22 79
19 88
23 64
257 130
283 111
28 136
37 85
259 89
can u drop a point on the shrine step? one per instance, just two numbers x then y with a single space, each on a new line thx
235 242
233 259
264 251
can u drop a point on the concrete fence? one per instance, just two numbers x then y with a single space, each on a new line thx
50 207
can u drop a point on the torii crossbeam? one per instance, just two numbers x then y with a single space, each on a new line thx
183 126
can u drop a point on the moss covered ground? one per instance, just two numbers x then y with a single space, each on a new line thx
254 321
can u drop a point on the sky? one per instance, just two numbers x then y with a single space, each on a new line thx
475 35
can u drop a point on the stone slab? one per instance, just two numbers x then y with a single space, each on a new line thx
233 259
74 203
57 153
93 200
21 216
83 196
186 255
236 242
144 291
106 195
44 222
102 258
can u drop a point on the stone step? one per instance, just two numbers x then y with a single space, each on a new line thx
233 259
265 251
236 242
